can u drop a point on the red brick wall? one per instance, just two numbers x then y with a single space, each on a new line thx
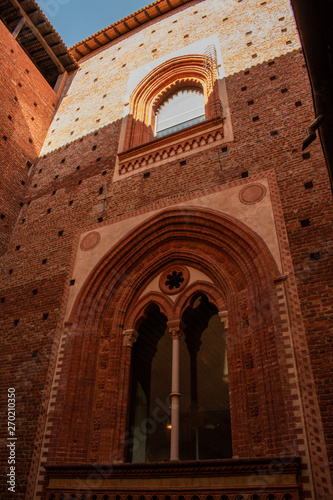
27 106
63 197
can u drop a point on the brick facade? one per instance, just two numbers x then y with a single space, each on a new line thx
27 107
87 242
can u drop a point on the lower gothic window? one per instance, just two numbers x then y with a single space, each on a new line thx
204 409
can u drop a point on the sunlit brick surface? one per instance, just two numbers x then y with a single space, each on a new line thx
71 191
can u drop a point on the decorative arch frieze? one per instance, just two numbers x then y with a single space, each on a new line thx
186 299
173 310
184 233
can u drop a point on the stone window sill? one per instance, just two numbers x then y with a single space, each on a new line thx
170 147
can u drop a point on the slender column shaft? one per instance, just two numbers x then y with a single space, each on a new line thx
175 395
176 331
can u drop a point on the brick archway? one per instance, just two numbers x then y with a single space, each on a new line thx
242 273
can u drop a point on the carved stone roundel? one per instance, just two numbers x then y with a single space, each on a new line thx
90 241
252 194
174 279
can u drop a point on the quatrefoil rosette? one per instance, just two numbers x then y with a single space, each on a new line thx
174 279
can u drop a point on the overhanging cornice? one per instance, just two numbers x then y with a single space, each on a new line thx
37 37
129 23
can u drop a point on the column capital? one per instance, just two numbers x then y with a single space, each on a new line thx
129 337
224 318
176 328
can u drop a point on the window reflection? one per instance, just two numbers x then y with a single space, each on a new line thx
180 110
151 382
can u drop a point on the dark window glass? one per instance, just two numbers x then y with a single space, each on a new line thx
204 422
151 383
205 431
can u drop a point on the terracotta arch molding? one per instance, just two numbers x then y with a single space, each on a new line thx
212 293
242 270
203 227
173 311
138 311
192 70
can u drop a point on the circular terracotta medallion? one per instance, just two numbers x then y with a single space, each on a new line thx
252 194
90 241
174 279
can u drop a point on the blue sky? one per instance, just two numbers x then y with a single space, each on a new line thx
75 20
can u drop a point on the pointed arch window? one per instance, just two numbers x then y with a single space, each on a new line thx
201 393
182 109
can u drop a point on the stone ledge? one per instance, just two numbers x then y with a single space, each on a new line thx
171 146
259 477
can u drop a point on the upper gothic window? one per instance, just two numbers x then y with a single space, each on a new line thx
175 108
175 95
180 110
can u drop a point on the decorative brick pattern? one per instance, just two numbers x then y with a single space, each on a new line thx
176 145
280 323
209 481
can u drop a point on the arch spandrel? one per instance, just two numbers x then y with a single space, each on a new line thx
181 231
257 219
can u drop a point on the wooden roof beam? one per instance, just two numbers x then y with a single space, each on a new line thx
37 50
39 37
78 52
148 16
18 27
42 23
87 47
55 45
126 26
32 12
25 2
9 10
49 33
106 36
62 55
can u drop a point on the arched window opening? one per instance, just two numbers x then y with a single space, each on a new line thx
180 110
205 430
151 381
202 390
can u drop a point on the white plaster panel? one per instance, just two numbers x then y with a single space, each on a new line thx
199 47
